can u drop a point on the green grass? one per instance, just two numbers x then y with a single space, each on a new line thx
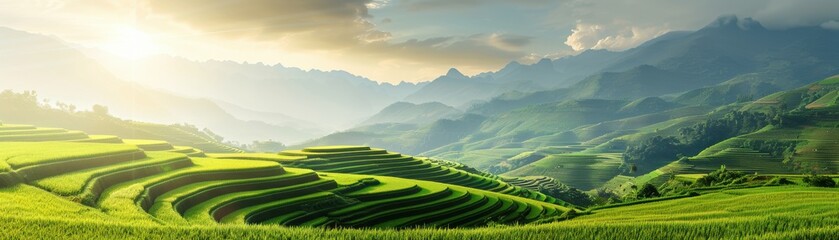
23 154
729 205
759 213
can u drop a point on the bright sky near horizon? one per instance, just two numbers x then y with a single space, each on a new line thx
386 40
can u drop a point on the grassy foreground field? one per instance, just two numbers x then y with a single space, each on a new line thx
762 213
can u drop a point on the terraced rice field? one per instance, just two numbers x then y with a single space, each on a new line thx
790 212
179 136
379 162
28 133
98 190
584 171
817 148
532 183
154 183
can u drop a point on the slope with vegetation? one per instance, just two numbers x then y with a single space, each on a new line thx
25 107
369 161
153 183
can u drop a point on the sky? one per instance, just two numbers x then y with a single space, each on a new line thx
386 40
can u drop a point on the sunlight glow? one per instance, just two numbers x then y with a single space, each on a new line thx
131 43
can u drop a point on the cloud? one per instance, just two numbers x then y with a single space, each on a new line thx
621 24
780 14
508 42
316 23
423 5
343 27
475 51
415 37
376 4
832 25
584 36
629 37
449 5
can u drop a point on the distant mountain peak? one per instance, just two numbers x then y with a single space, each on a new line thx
513 63
545 62
734 22
453 72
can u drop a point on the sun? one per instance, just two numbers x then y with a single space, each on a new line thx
131 43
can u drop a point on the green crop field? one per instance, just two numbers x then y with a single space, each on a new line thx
364 160
586 171
153 189
793 212
152 183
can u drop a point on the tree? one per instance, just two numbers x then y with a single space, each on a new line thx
100 110
819 181
648 191
267 146
653 149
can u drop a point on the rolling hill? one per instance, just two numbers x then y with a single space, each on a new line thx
151 181
409 113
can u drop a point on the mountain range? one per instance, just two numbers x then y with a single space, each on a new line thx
619 98
729 60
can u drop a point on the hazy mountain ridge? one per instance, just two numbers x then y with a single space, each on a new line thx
404 112
458 90
333 100
61 73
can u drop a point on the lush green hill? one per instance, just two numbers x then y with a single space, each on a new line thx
24 107
364 160
148 188
502 135
409 113
149 182
802 139
406 138
584 171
